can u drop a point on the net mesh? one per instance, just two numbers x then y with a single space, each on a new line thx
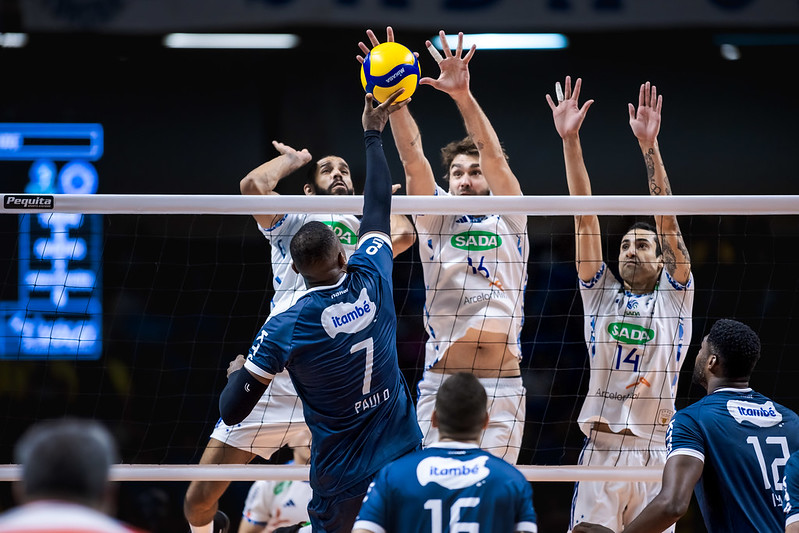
182 294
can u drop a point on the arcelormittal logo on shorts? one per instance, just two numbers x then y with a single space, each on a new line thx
452 473
28 201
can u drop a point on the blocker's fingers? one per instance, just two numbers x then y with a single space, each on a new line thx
372 37
459 48
469 54
433 52
558 91
390 100
444 44
389 34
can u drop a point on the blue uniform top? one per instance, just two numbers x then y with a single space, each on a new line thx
339 345
449 486
744 439
790 502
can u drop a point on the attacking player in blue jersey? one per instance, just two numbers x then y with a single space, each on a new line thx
729 446
338 342
790 499
452 485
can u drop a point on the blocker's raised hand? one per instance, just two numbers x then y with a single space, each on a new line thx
645 121
567 113
454 76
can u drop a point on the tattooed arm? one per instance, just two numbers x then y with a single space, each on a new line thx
645 123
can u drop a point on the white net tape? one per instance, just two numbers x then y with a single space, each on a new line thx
529 205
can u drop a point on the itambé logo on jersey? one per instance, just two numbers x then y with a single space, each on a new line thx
762 415
452 473
349 317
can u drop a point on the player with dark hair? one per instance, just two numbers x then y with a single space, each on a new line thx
64 484
474 265
277 420
338 342
728 447
636 330
451 485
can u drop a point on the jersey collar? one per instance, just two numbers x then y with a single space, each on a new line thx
454 444
732 389
325 287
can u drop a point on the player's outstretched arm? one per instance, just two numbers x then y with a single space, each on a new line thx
377 189
568 116
419 176
454 80
263 179
645 123
403 234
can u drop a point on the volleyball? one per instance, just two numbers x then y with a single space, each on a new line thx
389 67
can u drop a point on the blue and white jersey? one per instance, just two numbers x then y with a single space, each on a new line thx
636 347
744 440
475 272
448 487
790 500
285 281
339 345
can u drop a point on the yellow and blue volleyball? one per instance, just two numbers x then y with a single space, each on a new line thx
387 68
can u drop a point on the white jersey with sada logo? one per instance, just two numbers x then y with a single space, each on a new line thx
475 272
636 346
285 280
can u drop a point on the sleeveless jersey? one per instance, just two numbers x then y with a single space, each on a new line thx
475 272
744 439
339 345
285 281
636 346
448 487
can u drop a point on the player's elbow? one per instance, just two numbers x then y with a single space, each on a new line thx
230 411
674 508
239 396
248 185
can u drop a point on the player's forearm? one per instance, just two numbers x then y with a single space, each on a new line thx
377 189
407 137
408 140
240 395
659 515
674 250
478 126
402 234
495 167
576 173
264 179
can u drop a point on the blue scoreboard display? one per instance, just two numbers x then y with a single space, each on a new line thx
58 310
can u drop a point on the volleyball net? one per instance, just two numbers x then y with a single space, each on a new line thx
128 308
